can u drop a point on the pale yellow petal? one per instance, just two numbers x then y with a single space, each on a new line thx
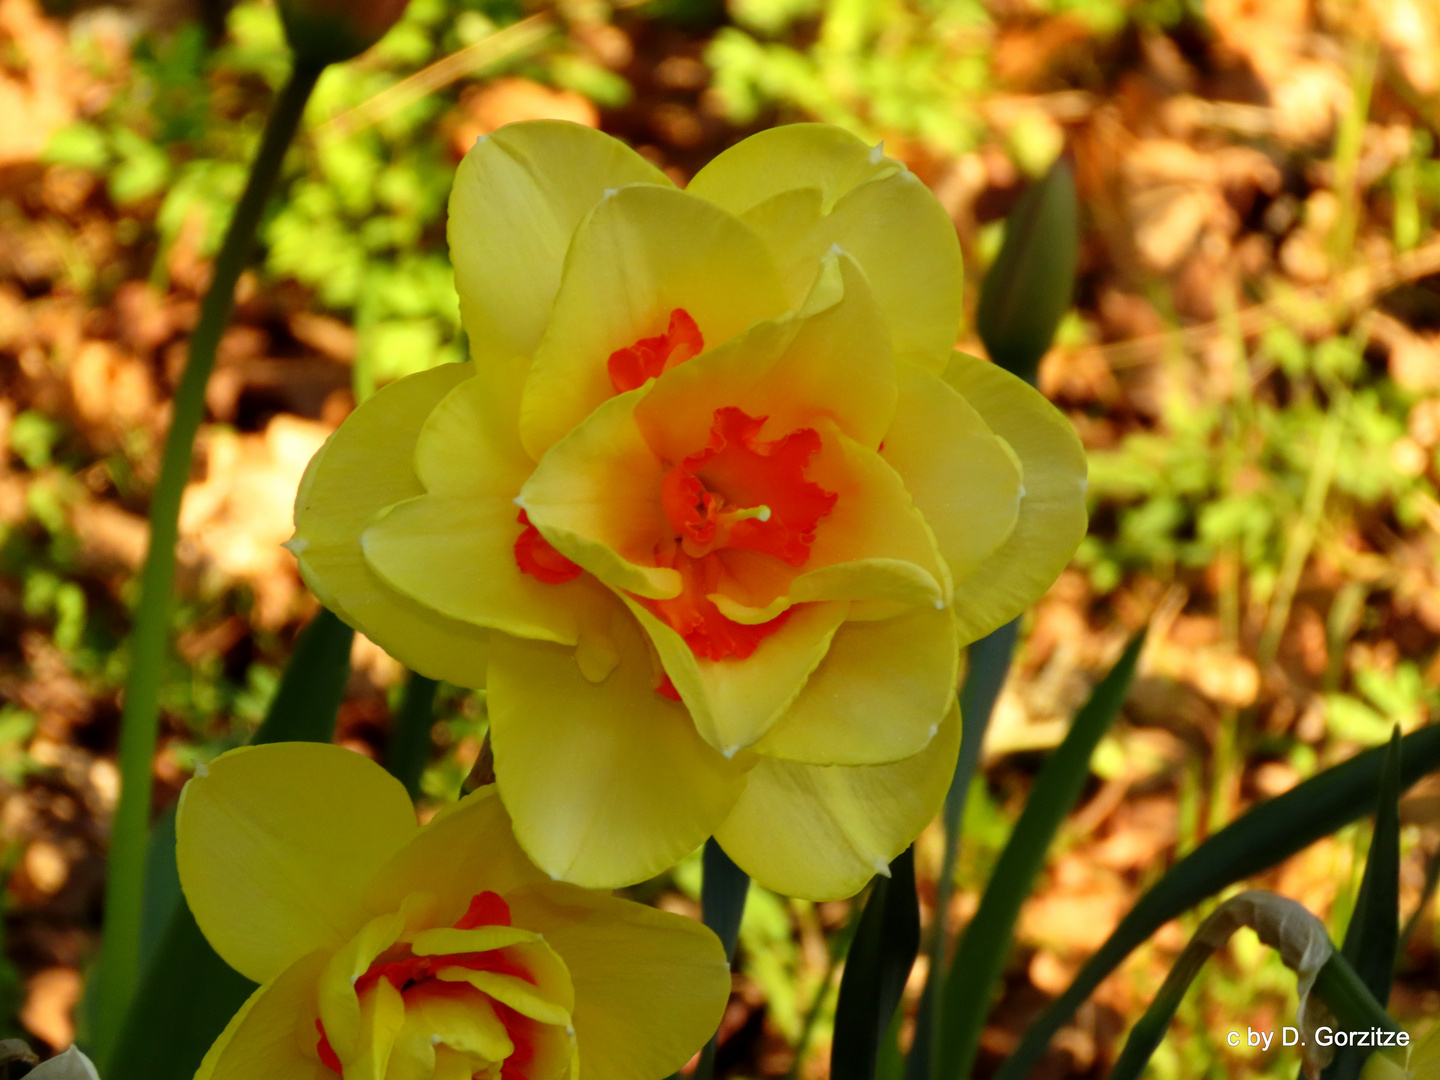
875 525
518 197
466 849
820 832
650 987
276 843
1052 516
596 497
642 253
607 782
878 696
364 467
268 1036
735 702
964 480
831 359
806 187
456 555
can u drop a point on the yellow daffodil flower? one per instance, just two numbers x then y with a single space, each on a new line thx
712 509
386 951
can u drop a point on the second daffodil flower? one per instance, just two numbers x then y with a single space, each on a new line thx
713 508
386 951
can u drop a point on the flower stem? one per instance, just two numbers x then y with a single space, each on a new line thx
125 887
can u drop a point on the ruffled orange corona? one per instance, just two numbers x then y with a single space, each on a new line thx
763 503
391 952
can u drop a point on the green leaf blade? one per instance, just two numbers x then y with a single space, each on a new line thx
980 957
879 963
1258 840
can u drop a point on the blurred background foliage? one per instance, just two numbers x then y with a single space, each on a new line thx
1253 363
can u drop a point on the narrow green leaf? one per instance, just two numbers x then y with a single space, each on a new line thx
1030 285
980 957
723 888
880 960
312 686
1373 936
410 745
989 664
1258 840
187 994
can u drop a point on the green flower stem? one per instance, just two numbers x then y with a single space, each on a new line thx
125 887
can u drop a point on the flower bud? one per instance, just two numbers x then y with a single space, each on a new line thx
328 31
1030 285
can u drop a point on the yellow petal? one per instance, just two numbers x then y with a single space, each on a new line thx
1052 518
820 832
735 702
805 187
596 497
265 1037
469 443
878 696
276 844
650 987
456 556
964 480
607 783
467 848
363 468
518 197
643 252
350 1024
874 524
831 359
466 1025
547 996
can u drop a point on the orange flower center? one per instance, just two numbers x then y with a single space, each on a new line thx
415 977
740 492
537 557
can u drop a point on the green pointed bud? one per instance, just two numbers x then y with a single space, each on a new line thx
1031 284
328 31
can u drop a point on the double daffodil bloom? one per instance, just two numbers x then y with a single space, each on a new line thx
386 951
713 508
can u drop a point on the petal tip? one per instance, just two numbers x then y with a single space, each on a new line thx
877 152
882 867
296 545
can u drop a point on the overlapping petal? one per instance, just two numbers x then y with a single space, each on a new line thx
364 467
596 497
618 955
806 187
607 782
829 359
465 849
518 197
733 705
260 1038
276 845
642 253
878 696
841 824
1051 520
964 479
